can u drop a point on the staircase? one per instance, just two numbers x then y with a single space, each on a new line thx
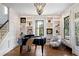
3 30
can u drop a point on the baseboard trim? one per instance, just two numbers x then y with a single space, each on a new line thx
7 50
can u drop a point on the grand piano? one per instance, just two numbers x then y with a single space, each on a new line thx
38 40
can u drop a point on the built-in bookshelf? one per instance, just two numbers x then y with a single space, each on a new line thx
29 27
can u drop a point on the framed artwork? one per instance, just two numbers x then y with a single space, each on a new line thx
22 20
49 30
66 27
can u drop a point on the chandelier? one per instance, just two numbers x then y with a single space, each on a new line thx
39 7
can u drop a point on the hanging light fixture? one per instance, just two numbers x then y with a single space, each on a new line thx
39 7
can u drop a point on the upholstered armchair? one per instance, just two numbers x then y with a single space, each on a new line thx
55 41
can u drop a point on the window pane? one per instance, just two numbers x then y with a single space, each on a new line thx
77 32
39 27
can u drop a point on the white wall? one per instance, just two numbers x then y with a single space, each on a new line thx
75 48
46 25
65 14
72 40
10 41
52 25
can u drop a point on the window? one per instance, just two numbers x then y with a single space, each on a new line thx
77 31
66 27
77 28
39 27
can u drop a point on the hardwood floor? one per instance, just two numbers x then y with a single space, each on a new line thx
48 51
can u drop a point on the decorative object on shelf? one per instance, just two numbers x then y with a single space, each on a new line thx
66 27
57 25
29 31
49 30
49 21
57 31
29 23
39 7
23 20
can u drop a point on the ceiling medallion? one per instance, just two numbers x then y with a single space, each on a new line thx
39 7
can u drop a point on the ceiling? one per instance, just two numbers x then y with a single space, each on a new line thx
29 8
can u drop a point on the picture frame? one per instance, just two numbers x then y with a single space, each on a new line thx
49 30
22 20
